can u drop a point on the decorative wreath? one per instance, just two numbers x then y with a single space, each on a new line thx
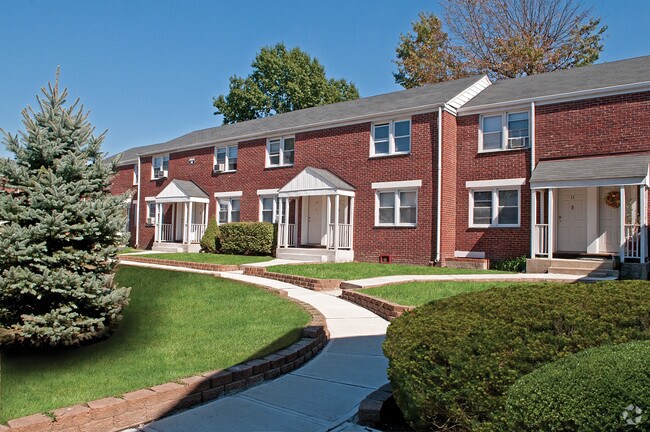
613 199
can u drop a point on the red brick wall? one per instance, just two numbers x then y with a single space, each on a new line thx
497 243
122 183
600 126
345 152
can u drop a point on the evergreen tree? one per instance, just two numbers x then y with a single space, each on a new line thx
60 231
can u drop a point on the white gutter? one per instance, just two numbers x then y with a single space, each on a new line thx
533 193
561 97
439 203
137 209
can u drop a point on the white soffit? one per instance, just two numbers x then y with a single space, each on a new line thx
397 184
494 183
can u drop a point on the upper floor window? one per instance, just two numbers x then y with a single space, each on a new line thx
228 210
391 138
225 158
504 131
279 151
159 166
136 175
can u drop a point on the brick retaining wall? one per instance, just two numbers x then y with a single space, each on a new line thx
304 282
385 309
185 264
142 406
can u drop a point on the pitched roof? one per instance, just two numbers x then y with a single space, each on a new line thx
181 190
428 96
313 180
599 76
598 171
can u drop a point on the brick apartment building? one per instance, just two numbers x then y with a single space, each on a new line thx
548 166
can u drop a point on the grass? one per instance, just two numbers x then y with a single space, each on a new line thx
176 325
359 270
211 258
419 293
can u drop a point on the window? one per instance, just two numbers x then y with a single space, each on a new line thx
136 175
225 159
159 166
506 131
279 152
494 208
397 208
268 206
391 138
228 210
151 213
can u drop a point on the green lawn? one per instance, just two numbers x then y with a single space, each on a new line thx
358 270
177 325
211 258
419 293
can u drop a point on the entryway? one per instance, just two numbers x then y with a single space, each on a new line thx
572 221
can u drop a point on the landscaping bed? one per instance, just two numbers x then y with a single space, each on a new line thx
359 270
177 325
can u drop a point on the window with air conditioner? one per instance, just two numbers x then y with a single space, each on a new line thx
504 131
159 167
225 159
151 213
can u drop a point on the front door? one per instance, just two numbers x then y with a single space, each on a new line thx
609 223
315 233
572 220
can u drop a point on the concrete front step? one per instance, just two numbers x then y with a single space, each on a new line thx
583 264
301 257
584 271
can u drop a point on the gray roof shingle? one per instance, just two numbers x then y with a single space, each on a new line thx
190 188
630 71
432 96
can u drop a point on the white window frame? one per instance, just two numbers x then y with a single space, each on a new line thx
150 214
227 159
391 137
495 207
504 131
136 174
153 163
274 208
396 215
282 150
228 201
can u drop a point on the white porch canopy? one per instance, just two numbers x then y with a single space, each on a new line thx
317 182
618 173
193 218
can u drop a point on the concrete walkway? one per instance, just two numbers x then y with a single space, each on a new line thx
323 395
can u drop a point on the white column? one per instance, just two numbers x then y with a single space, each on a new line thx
534 240
351 221
295 220
173 227
286 223
189 221
552 220
337 200
622 216
156 234
159 214
643 212
327 219
186 227
280 224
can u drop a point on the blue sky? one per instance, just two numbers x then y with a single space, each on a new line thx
148 69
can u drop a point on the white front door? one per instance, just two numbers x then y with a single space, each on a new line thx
609 223
572 220
315 232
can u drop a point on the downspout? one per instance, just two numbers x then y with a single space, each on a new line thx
439 198
533 199
137 209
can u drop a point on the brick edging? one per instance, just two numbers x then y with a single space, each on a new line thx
313 284
134 408
184 264
385 309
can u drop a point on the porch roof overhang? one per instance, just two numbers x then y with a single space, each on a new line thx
315 181
592 172
182 191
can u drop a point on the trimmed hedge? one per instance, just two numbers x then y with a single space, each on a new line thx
452 361
585 392
247 238
211 242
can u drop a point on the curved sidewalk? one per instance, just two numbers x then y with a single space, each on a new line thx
320 396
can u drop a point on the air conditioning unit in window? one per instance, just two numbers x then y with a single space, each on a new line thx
159 173
219 168
151 220
517 143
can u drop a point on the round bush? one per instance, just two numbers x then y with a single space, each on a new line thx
452 361
588 391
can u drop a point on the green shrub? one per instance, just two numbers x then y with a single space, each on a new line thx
585 392
247 238
452 361
210 242
517 264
